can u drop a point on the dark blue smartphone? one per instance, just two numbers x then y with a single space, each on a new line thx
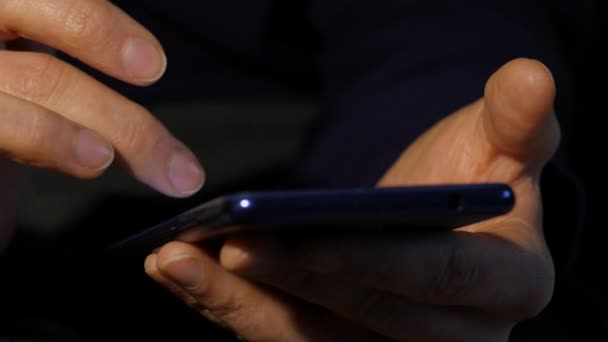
401 209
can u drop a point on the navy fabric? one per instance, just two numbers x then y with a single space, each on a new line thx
383 71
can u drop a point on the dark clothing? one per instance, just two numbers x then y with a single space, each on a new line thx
382 72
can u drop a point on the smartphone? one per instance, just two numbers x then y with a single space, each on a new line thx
423 208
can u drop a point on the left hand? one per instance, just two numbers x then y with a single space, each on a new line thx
473 284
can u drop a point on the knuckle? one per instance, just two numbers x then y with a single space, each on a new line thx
458 274
139 133
36 136
368 304
231 312
531 297
40 79
87 23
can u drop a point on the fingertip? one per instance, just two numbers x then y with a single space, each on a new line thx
144 60
170 168
235 255
525 84
92 152
518 113
150 265
182 264
253 255
538 88
172 249
185 174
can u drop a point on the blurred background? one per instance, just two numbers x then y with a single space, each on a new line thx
69 221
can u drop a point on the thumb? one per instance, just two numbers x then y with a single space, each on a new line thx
517 114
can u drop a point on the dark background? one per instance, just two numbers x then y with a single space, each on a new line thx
39 302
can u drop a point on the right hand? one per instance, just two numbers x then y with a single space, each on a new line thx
55 116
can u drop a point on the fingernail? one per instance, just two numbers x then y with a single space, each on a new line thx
320 262
143 60
150 263
254 256
184 270
185 174
92 151
544 67
234 257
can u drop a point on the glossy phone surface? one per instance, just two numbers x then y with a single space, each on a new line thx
401 209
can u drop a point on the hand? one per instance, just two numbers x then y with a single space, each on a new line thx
55 116
473 284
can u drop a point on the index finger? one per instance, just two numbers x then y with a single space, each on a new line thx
93 31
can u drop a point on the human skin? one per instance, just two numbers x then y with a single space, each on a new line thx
473 284
54 116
